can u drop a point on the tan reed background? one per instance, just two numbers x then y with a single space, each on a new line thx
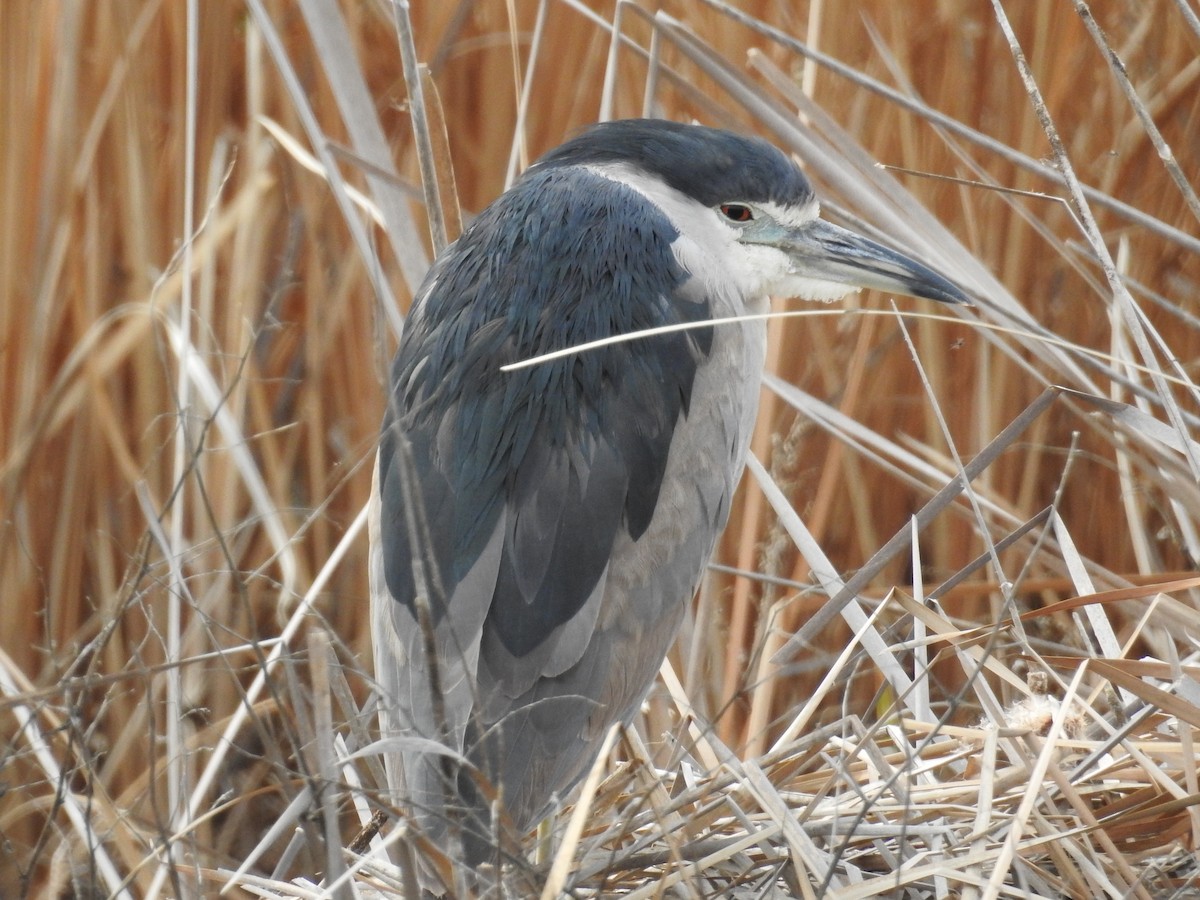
99 524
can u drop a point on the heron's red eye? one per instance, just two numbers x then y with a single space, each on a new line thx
736 212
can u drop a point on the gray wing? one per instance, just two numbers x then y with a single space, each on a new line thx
502 498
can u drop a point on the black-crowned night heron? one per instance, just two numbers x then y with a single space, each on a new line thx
536 534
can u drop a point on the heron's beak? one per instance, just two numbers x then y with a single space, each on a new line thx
822 251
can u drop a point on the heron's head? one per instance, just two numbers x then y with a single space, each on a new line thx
749 209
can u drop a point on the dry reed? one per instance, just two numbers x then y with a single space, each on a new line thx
983 528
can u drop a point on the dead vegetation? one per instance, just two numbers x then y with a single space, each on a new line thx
950 646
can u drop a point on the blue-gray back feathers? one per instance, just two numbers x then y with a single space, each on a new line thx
565 257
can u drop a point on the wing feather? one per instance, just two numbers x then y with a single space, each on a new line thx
524 482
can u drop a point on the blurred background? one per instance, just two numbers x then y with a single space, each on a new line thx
195 327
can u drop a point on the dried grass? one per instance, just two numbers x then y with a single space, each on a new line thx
950 648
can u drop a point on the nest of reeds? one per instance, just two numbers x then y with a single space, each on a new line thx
948 645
